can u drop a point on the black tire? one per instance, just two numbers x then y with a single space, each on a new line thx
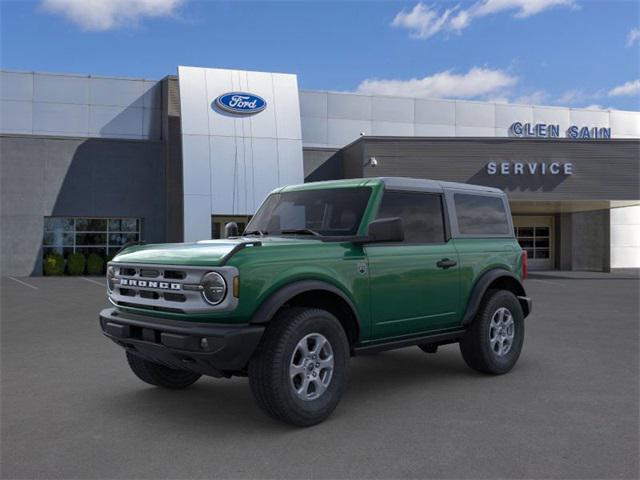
476 345
269 376
159 375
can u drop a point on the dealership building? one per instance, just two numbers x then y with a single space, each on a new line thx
89 163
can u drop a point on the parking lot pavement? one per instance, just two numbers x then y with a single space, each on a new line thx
72 409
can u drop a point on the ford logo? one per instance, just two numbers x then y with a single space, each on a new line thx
240 103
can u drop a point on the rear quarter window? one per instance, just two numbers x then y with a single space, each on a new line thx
481 215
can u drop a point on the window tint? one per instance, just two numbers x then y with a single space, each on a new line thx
480 215
421 215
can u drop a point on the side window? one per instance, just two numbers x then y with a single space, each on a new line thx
481 215
421 215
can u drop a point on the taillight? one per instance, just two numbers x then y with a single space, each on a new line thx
525 265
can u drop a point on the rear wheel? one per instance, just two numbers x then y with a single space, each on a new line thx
159 375
493 342
299 371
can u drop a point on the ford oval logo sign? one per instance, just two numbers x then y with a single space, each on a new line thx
240 103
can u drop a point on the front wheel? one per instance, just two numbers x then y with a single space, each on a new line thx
494 340
299 371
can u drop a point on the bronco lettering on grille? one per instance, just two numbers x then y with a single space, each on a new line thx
130 282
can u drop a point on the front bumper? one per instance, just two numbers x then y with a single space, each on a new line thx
180 345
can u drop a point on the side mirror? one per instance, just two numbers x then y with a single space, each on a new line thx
385 230
231 230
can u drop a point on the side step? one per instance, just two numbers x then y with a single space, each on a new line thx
441 338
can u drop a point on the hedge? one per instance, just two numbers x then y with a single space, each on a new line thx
53 264
95 264
76 263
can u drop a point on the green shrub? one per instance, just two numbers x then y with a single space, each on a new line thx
95 264
76 263
53 264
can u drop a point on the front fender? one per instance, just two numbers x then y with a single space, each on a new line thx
277 299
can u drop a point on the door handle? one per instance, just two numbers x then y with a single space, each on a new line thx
446 263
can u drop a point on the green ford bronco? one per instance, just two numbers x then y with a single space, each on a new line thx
325 271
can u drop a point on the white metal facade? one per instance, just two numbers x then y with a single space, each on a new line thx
231 162
332 119
79 106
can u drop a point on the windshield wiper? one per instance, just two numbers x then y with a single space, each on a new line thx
301 231
254 232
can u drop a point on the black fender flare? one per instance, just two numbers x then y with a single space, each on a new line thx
276 300
482 285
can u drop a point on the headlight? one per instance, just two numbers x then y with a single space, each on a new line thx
111 273
214 288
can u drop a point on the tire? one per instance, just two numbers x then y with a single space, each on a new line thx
279 366
487 346
159 375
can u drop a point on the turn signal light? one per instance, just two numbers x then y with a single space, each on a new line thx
525 265
236 287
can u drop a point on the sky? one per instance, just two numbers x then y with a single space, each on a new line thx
545 52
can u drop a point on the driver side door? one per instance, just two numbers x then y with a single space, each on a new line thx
414 284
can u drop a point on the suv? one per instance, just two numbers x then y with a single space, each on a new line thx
325 271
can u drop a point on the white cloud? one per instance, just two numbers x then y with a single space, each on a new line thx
475 83
100 15
571 97
595 106
538 97
629 88
524 8
633 36
423 21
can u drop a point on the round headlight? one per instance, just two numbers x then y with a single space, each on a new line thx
214 288
111 273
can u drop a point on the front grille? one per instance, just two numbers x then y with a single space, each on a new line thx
174 274
166 288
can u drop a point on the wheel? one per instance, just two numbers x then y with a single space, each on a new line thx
494 340
159 375
299 370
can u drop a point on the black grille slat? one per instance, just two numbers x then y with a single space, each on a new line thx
149 273
174 297
174 274
149 294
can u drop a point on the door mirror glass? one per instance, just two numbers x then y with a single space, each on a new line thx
231 230
385 230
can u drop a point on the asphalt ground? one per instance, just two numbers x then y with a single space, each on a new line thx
72 409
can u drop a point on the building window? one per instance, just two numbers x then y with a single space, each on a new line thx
104 236
421 214
481 215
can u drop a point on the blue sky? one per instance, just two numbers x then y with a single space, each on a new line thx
558 52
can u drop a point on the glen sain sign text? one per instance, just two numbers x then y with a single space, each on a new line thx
547 130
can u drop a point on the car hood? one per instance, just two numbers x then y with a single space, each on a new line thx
202 253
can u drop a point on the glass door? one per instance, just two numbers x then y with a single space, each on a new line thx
535 235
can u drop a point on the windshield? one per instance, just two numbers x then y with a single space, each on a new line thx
326 212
